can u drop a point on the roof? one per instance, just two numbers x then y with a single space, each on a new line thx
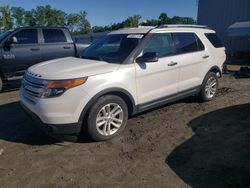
35 27
144 30
239 29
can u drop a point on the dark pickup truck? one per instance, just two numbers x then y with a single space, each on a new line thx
26 46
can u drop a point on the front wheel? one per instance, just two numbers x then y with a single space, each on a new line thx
209 87
107 118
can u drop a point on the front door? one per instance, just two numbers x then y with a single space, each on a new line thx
157 80
21 55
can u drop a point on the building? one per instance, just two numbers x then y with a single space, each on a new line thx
220 14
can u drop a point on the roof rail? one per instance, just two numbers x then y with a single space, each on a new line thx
139 27
183 26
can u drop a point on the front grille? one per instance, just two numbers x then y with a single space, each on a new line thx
33 87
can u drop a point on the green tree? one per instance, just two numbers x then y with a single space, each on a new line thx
182 20
48 16
176 20
152 22
18 13
96 29
6 20
132 21
189 20
114 26
39 15
29 19
163 18
83 25
72 21
60 17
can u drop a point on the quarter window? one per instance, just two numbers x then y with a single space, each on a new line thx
27 36
162 44
54 36
214 39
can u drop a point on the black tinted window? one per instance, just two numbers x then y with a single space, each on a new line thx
53 35
27 36
113 48
162 44
214 39
201 46
185 42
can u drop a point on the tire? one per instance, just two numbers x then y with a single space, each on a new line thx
209 87
107 118
1 85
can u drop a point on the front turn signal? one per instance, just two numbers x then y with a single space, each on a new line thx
67 83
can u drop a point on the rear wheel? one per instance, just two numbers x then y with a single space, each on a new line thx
107 118
209 87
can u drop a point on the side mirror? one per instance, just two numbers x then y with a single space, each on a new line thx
12 40
148 57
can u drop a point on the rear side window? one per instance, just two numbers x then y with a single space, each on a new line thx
214 39
187 43
54 36
162 44
27 36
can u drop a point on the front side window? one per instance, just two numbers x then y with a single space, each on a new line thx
113 48
54 36
27 36
162 44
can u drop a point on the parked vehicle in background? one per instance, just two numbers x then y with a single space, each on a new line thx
90 38
26 46
239 58
127 72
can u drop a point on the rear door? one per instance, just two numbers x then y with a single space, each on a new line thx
193 57
26 52
56 44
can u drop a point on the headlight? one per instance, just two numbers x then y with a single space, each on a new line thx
57 88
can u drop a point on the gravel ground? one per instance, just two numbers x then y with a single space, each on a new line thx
185 144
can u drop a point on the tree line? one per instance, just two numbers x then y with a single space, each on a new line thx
134 21
77 23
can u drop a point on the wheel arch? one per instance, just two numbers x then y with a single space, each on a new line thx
124 94
2 79
216 70
2 75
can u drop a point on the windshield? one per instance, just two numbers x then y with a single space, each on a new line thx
3 35
113 48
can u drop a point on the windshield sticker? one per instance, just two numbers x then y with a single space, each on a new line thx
135 36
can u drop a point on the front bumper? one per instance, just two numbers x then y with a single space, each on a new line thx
61 131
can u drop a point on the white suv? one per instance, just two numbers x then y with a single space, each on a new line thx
127 72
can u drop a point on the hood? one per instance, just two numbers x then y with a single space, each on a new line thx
70 67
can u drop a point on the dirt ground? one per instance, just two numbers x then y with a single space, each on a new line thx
185 144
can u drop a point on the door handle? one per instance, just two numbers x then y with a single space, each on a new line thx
172 63
205 56
34 49
66 47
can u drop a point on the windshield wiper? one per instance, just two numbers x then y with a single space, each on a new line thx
92 58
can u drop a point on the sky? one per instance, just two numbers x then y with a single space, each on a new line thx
105 12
